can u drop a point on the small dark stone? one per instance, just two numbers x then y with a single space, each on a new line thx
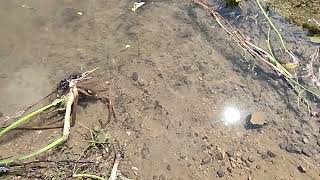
306 152
230 169
298 131
258 166
168 167
283 145
302 169
219 156
135 76
1 114
206 160
318 142
230 153
220 173
154 177
271 154
251 159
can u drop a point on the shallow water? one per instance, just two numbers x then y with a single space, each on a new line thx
169 121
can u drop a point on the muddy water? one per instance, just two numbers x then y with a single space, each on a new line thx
169 122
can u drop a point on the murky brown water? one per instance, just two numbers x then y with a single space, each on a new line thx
169 121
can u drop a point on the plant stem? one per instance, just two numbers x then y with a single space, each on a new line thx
64 137
29 116
273 26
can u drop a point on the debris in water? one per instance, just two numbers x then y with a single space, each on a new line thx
137 5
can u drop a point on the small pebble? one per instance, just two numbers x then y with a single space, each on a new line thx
258 118
271 154
168 167
232 159
141 82
219 156
233 165
206 160
318 142
298 131
305 140
251 159
258 166
230 169
247 164
220 173
230 153
302 169
135 76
